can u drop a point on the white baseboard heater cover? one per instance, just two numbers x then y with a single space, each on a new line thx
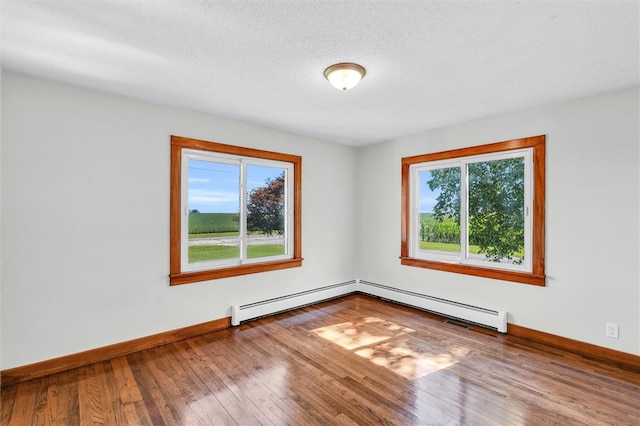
279 304
473 314
494 319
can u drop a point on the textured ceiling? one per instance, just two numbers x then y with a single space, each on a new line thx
429 64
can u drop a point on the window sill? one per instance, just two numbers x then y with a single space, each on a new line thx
213 274
520 277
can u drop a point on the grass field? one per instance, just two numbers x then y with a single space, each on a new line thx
204 253
207 223
427 245
425 216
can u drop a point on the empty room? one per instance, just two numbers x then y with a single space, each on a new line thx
320 212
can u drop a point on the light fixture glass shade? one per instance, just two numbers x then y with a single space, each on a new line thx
344 76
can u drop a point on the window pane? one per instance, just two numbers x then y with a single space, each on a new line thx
214 200
496 210
265 211
439 230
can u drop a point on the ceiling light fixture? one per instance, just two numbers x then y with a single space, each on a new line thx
345 75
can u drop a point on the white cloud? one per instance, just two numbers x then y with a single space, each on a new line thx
198 180
207 196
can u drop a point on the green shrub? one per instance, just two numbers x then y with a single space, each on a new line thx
439 231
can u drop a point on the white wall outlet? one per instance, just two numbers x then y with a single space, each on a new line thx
612 330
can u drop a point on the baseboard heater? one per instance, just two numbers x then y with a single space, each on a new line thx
496 320
493 319
297 300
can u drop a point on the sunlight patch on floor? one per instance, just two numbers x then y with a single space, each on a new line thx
381 342
370 330
410 363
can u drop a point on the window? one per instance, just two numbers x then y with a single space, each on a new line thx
477 211
234 210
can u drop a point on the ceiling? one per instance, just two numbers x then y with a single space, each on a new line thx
429 64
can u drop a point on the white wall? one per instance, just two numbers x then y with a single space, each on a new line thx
592 219
1 258
85 220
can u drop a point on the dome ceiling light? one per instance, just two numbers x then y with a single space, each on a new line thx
345 75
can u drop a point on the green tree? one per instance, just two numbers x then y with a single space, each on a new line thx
495 205
448 202
265 207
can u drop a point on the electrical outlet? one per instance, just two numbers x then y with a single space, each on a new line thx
612 330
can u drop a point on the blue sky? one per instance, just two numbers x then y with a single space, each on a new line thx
213 187
427 197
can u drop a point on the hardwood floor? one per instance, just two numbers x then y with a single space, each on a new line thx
355 360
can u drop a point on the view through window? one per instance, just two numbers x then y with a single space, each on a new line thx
477 209
219 215
237 210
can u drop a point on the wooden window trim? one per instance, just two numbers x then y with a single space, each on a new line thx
537 275
176 276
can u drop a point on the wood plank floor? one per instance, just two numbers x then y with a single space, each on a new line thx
355 360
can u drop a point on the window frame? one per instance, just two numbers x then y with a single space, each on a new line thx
180 145
537 274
